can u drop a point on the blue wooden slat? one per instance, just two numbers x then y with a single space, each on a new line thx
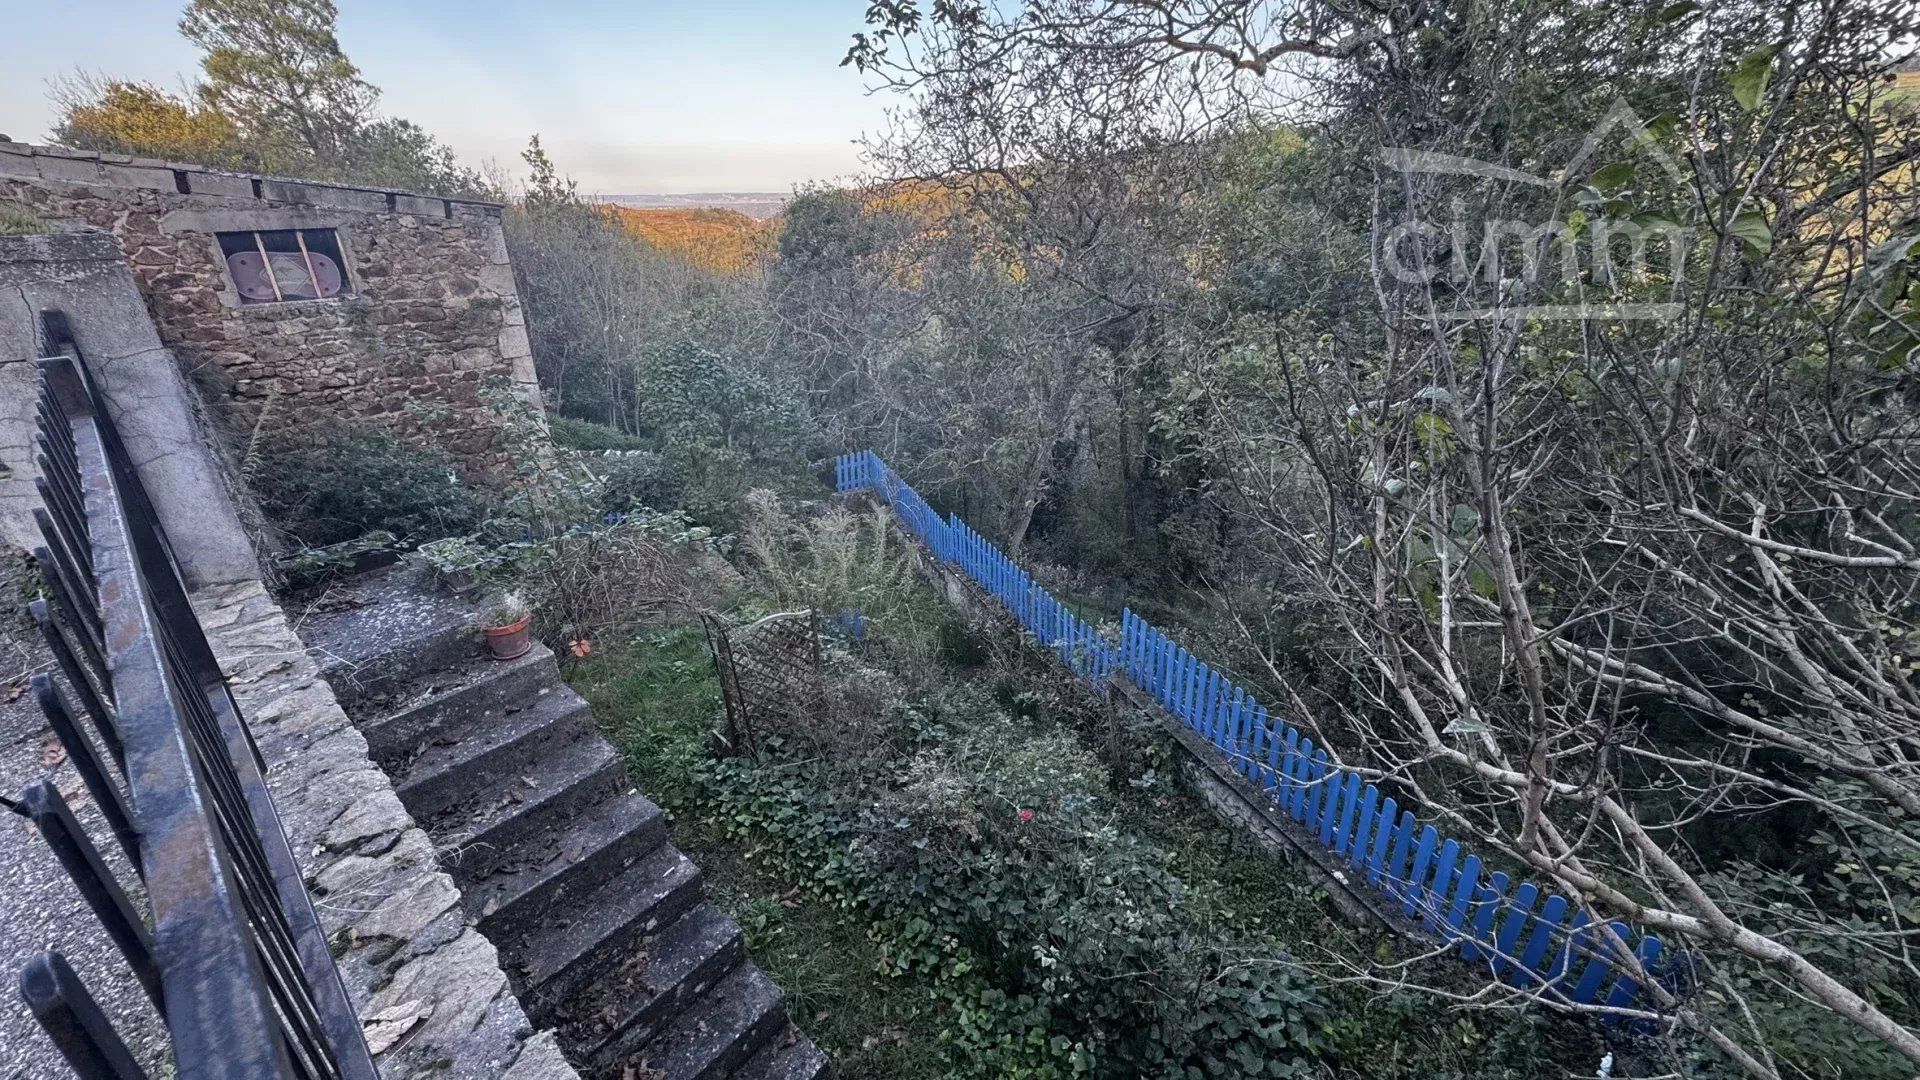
1270 767
1360 845
1349 809
1487 905
1215 701
1333 785
1415 889
1439 890
1625 989
1546 926
1290 773
1455 923
1519 913
1254 745
1324 796
1600 964
1394 877
1383 835
1569 946
1303 776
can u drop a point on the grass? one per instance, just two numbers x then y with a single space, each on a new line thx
20 221
658 700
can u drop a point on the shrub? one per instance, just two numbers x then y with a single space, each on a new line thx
836 561
577 434
326 483
637 478
992 871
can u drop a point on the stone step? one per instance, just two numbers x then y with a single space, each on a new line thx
381 629
550 871
721 1031
623 1011
449 703
444 768
789 1055
600 931
501 812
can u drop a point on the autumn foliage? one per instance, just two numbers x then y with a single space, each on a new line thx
723 241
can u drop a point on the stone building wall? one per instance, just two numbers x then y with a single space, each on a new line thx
428 315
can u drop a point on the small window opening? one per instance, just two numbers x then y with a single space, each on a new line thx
272 266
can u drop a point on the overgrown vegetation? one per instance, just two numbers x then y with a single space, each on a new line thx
1049 916
21 221
1521 395
328 482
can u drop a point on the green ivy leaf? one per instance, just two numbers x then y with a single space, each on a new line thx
1613 176
1673 13
1751 229
1751 75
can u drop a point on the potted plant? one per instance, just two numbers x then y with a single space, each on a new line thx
508 627
457 561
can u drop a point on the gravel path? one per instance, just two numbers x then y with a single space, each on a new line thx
39 906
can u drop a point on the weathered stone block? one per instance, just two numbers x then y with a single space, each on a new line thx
67 170
140 176
419 205
222 184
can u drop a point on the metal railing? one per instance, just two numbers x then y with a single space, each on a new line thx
228 947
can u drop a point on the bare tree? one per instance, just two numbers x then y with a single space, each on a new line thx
1598 504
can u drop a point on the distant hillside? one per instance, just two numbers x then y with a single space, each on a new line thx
760 205
721 240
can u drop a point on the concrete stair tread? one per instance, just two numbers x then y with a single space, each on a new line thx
721 1031
374 630
789 1055
623 1010
513 804
441 703
556 951
589 849
443 755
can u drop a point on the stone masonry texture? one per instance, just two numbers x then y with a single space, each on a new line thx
428 987
429 315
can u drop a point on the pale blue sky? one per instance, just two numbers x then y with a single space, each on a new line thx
639 96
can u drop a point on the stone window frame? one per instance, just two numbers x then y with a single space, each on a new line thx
207 223
310 241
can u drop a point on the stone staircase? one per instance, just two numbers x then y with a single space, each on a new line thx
602 925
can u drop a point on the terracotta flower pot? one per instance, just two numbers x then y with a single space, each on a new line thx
512 640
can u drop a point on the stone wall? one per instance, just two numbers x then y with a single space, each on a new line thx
84 275
428 315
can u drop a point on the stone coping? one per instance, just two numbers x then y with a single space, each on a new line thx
427 986
57 164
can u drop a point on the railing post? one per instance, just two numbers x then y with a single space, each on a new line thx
73 1020
41 803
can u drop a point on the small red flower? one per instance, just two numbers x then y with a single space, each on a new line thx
1026 815
581 647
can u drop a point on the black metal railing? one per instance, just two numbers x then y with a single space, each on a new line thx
228 947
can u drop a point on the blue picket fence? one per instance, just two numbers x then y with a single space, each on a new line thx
1529 937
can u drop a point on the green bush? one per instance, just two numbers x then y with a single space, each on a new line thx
991 872
576 434
332 482
641 478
